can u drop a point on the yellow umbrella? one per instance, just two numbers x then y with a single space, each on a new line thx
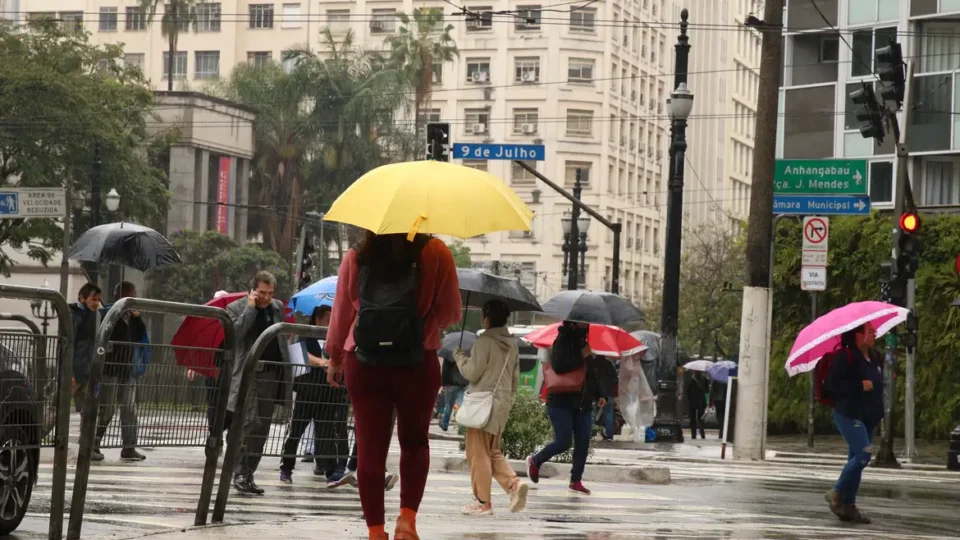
430 197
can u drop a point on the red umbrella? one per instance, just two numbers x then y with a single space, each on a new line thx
604 340
197 337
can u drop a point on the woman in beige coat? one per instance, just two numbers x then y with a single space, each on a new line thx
494 359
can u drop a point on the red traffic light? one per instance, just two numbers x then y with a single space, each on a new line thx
909 222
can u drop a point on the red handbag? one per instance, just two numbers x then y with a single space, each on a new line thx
566 383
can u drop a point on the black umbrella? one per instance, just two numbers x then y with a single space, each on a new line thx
593 308
124 244
478 287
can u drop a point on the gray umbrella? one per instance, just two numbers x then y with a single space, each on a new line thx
593 308
125 244
651 357
463 339
478 287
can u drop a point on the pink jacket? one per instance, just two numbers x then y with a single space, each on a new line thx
439 299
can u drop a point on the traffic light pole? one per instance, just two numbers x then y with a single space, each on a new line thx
300 247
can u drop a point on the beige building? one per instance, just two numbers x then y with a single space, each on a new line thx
587 81
724 77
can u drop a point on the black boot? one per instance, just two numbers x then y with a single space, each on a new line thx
245 484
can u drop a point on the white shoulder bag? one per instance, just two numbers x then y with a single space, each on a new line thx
478 406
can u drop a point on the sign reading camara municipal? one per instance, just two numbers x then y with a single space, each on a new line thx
522 152
820 177
17 203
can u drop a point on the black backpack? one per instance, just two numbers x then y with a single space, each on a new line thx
389 329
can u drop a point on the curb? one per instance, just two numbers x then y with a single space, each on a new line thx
646 474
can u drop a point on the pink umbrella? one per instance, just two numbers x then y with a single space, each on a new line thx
823 334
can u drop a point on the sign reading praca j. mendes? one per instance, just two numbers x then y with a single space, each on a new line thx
523 152
17 203
820 177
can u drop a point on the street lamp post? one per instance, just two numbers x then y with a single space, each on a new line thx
583 224
667 422
41 310
573 282
566 223
112 201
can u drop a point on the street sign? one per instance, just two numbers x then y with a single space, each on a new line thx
18 203
813 278
820 177
816 234
811 204
524 152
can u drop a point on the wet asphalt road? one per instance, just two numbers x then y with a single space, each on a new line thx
705 500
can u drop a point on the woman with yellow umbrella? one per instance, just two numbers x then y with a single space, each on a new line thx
395 292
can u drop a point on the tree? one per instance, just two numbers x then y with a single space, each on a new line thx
177 16
420 45
461 253
213 262
62 97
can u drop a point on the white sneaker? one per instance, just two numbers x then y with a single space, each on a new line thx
518 496
477 509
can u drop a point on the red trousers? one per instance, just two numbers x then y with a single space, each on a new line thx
374 392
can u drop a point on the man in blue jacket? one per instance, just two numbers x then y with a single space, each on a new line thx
83 315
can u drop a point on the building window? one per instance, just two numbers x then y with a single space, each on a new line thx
527 70
525 121
183 19
480 19
436 74
478 164
528 18
135 21
938 184
179 65
384 21
108 19
580 70
261 15
881 181
290 62
528 275
428 116
579 122
829 50
206 65
478 70
71 21
570 172
477 121
259 58
865 43
583 20
291 16
134 60
519 175
208 17
338 20
930 124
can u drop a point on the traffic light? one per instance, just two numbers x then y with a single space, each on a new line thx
893 289
870 115
304 279
909 259
912 326
890 70
438 141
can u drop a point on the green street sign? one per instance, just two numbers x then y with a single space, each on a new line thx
820 177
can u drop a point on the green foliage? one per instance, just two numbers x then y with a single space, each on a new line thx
857 248
61 98
213 262
461 253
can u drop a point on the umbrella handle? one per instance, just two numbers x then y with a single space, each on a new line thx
463 322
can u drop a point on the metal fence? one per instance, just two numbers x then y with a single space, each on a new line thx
263 386
35 406
148 389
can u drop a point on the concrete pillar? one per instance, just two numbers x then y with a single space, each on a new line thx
242 200
235 168
182 179
201 208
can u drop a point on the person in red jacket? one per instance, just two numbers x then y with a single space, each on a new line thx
393 298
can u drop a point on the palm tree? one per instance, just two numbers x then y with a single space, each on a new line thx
422 43
177 13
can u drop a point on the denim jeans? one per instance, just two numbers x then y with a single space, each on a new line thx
608 417
859 437
451 395
569 425
118 393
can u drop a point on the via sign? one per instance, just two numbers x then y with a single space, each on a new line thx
813 278
17 203
820 177
510 152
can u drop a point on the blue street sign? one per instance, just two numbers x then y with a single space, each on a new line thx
821 205
524 152
9 203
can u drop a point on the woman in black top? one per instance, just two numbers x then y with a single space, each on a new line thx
571 413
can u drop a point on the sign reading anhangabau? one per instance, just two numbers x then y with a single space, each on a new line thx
18 203
820 177
816 235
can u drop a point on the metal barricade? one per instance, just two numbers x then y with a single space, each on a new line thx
260 389
35 403
149 387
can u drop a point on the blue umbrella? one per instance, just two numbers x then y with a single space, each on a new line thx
319 294
722 371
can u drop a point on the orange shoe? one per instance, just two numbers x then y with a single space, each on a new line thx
377 533
406 526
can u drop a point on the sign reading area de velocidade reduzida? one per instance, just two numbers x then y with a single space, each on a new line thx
18 203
